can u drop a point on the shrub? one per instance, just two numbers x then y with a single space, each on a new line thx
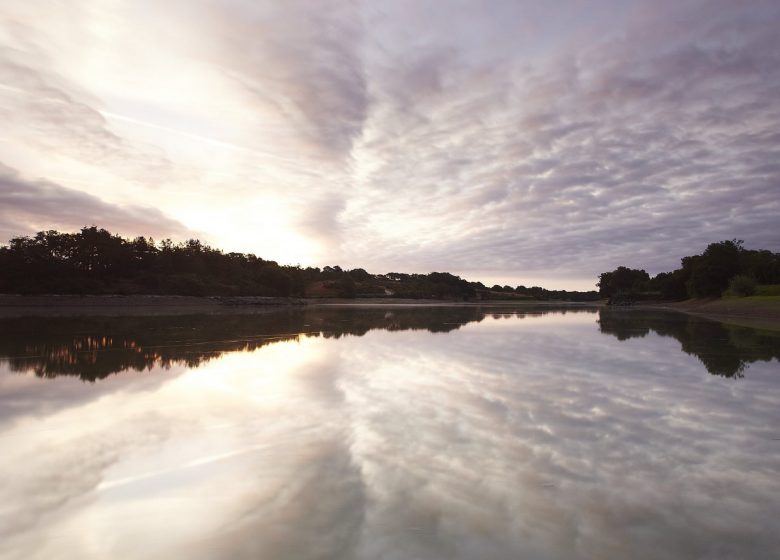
742 286
768 290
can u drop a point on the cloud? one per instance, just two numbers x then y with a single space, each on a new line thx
521 141
29 206
43 109
299 61
616 150
320 219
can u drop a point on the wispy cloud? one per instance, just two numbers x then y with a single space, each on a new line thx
300 61
28 206
41 108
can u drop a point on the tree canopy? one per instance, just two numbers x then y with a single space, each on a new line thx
95 261
706 275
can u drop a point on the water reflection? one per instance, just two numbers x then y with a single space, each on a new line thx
510 437
95 347
724 349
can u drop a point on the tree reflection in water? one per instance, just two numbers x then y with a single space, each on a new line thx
724 349
529 435
93 348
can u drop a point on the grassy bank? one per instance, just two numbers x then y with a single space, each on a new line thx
754 311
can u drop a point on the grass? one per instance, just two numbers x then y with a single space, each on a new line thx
756 311
768 290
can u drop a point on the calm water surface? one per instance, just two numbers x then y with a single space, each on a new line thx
389 433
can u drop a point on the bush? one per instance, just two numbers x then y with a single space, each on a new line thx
768 290
742 286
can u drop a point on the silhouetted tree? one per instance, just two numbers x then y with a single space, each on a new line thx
622 280
711 272
705 275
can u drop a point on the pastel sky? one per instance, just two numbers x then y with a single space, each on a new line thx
518 142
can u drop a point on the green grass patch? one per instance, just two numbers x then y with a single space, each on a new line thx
768 290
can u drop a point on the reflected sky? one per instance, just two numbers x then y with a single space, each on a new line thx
543 436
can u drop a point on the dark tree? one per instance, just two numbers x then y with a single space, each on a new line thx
711 272
622 280
705 275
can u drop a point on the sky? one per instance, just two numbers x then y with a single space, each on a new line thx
517 142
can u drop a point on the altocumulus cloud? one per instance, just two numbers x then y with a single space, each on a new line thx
630 148
512 140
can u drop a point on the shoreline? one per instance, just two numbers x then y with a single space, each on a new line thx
50 304
763 313
757 312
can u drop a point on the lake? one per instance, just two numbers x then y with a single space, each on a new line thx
389 433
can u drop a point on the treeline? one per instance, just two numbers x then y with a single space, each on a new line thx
539 293
724 268
429 285
95 261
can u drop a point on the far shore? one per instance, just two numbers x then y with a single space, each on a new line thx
17 305
758 312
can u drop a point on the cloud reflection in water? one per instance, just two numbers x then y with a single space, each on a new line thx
533 437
